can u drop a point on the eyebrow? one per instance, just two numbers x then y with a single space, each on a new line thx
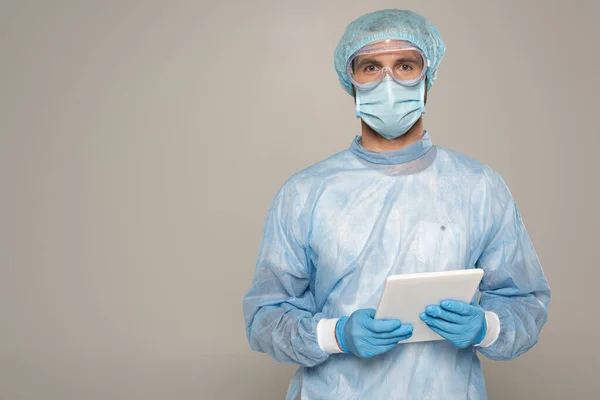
367 60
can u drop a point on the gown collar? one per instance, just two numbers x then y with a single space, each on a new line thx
412 152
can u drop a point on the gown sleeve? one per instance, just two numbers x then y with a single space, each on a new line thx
514 286
279 309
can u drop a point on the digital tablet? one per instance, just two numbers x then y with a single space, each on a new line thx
405 297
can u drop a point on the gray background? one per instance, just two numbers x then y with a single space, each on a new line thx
141 144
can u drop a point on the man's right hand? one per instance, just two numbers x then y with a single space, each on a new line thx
364 336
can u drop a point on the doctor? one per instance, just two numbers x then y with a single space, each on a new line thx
392 203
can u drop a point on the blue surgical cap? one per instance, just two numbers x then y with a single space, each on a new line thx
389 24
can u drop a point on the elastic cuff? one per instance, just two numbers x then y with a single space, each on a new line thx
326 336
493 329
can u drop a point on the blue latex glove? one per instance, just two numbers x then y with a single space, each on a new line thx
364 336
461 323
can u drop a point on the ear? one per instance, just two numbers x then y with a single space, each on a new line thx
426 91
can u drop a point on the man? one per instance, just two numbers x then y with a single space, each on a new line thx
392 204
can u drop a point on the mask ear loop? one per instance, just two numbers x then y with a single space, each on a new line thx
423 111
356 95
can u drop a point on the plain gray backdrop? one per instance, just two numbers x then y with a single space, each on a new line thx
142 142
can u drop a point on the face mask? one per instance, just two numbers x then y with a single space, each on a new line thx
389 108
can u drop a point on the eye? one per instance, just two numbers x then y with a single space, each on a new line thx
369 69
405 67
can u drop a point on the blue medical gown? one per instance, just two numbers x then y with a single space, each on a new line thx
337 229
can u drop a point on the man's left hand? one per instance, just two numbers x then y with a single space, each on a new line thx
461 323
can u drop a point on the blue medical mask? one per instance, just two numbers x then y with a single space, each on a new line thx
390 108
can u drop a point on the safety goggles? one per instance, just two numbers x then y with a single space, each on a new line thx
404 62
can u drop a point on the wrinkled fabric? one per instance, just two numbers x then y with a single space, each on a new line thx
389 24
337 229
